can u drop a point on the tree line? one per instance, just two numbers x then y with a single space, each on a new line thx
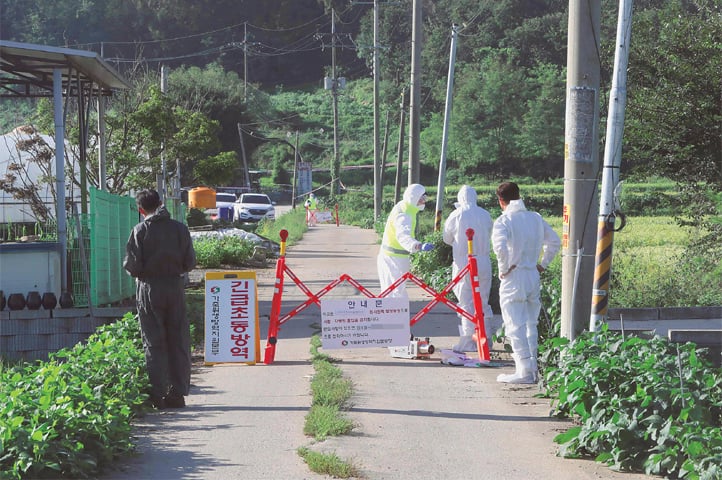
509 95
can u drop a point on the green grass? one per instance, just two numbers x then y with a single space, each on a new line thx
327 464
653 266
323 421
294 222
331 392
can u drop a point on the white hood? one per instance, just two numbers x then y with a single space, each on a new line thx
467 197
413 193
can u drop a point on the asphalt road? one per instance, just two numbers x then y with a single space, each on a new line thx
414 419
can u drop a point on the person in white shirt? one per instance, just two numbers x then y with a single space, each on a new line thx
519 237
469 215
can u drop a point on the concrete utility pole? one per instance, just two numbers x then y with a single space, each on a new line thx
415 102
378 187
581 165
60 215
245 61
336 165
295 169
102 174
445 134
608 206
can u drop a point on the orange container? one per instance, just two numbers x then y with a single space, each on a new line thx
202 197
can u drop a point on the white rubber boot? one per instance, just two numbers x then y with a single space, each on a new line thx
522 374
466 344
534 368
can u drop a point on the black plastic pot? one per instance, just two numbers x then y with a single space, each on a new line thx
16 301
33 300
49 300
66 300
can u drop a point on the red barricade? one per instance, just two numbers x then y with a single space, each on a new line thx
276 320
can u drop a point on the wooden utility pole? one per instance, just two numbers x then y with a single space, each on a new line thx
400 152
246 174
385 147
415 102
581 165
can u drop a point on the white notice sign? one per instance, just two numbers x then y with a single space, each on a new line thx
366 322
232 330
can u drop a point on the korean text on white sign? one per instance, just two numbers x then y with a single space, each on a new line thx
231 320
364 323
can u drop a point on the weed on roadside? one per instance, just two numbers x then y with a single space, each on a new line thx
331 392
327 464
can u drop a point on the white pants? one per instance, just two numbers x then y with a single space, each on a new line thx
390 269
520 306
310 217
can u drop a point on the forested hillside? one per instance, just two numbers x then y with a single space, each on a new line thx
509 95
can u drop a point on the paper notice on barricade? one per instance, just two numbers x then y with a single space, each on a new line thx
365 323
325 216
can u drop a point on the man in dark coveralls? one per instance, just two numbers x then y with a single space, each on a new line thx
158 253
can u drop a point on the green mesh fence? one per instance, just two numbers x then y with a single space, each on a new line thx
106 229
112 218
80 275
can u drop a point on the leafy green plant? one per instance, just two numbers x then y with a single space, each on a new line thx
208 255
70 416
213 252
641 405
434 267
196 217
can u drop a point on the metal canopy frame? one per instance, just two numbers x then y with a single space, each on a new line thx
26 70
31 71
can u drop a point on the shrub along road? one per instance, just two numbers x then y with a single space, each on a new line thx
414 418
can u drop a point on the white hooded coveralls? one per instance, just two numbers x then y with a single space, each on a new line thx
399 226
519 236
469 215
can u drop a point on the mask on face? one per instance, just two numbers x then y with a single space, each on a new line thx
422 202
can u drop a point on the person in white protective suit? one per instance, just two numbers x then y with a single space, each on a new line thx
469 215
311 205
518 238
399 240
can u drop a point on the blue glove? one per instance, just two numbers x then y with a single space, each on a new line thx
427 247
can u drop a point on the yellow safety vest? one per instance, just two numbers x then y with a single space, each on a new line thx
311 203
390 244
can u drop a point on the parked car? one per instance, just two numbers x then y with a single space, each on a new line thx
252 207
225 203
